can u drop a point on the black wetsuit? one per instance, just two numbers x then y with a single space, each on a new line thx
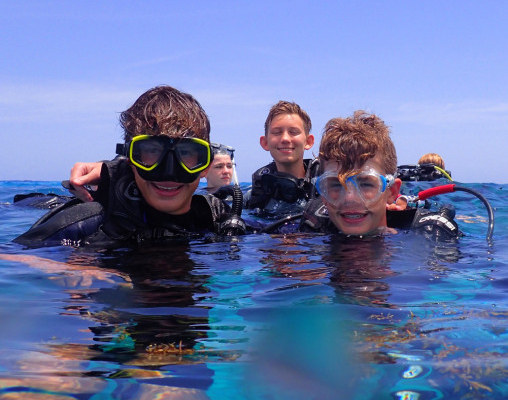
274 191
119 214
420 172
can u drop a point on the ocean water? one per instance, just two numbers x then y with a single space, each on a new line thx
258 317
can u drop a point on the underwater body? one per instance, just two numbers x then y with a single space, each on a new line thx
294 316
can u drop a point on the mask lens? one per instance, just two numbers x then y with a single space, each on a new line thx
194 154
331 189
368 186
146 152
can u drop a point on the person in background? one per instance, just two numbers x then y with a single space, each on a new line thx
430 167
432 158
148 194
222 169
288 178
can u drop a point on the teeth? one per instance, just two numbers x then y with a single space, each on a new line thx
165 188
353 216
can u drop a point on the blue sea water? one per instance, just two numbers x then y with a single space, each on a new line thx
258 317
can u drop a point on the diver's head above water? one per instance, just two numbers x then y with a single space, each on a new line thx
358 161
167 136
222 169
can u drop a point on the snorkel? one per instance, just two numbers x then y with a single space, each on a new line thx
233 225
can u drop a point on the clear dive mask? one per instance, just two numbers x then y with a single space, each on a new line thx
368 185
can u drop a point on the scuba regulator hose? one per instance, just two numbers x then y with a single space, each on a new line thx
425 194
280 222
234 224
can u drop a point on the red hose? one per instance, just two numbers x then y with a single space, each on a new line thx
425 194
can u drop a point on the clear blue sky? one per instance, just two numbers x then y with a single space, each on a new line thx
435 71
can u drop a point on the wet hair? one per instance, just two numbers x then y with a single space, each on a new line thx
286 107
164 110
353 140
432 158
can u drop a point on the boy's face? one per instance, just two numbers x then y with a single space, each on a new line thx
168 197
352 215
220 172
167 169
286 139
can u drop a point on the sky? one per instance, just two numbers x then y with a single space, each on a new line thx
435 71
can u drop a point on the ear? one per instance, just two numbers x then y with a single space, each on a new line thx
394 191
264 142
309 142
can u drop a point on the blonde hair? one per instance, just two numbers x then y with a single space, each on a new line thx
432 158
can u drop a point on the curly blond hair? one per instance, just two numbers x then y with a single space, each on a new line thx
432 158
353 140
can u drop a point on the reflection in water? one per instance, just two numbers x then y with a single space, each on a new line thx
153 321
304 315
409 343
359 268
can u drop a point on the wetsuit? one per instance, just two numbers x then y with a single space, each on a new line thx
421 172
120 214
279 192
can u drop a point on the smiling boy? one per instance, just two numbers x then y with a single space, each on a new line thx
359 163
287 136
148 194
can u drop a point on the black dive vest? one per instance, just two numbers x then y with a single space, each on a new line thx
120 214
420 172
437 225
265 188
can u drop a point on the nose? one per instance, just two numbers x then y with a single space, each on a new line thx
351 192
285 137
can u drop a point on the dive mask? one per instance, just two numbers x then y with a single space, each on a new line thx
163 158
218 148
368 185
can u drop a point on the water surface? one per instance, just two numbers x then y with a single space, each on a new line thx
258 317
